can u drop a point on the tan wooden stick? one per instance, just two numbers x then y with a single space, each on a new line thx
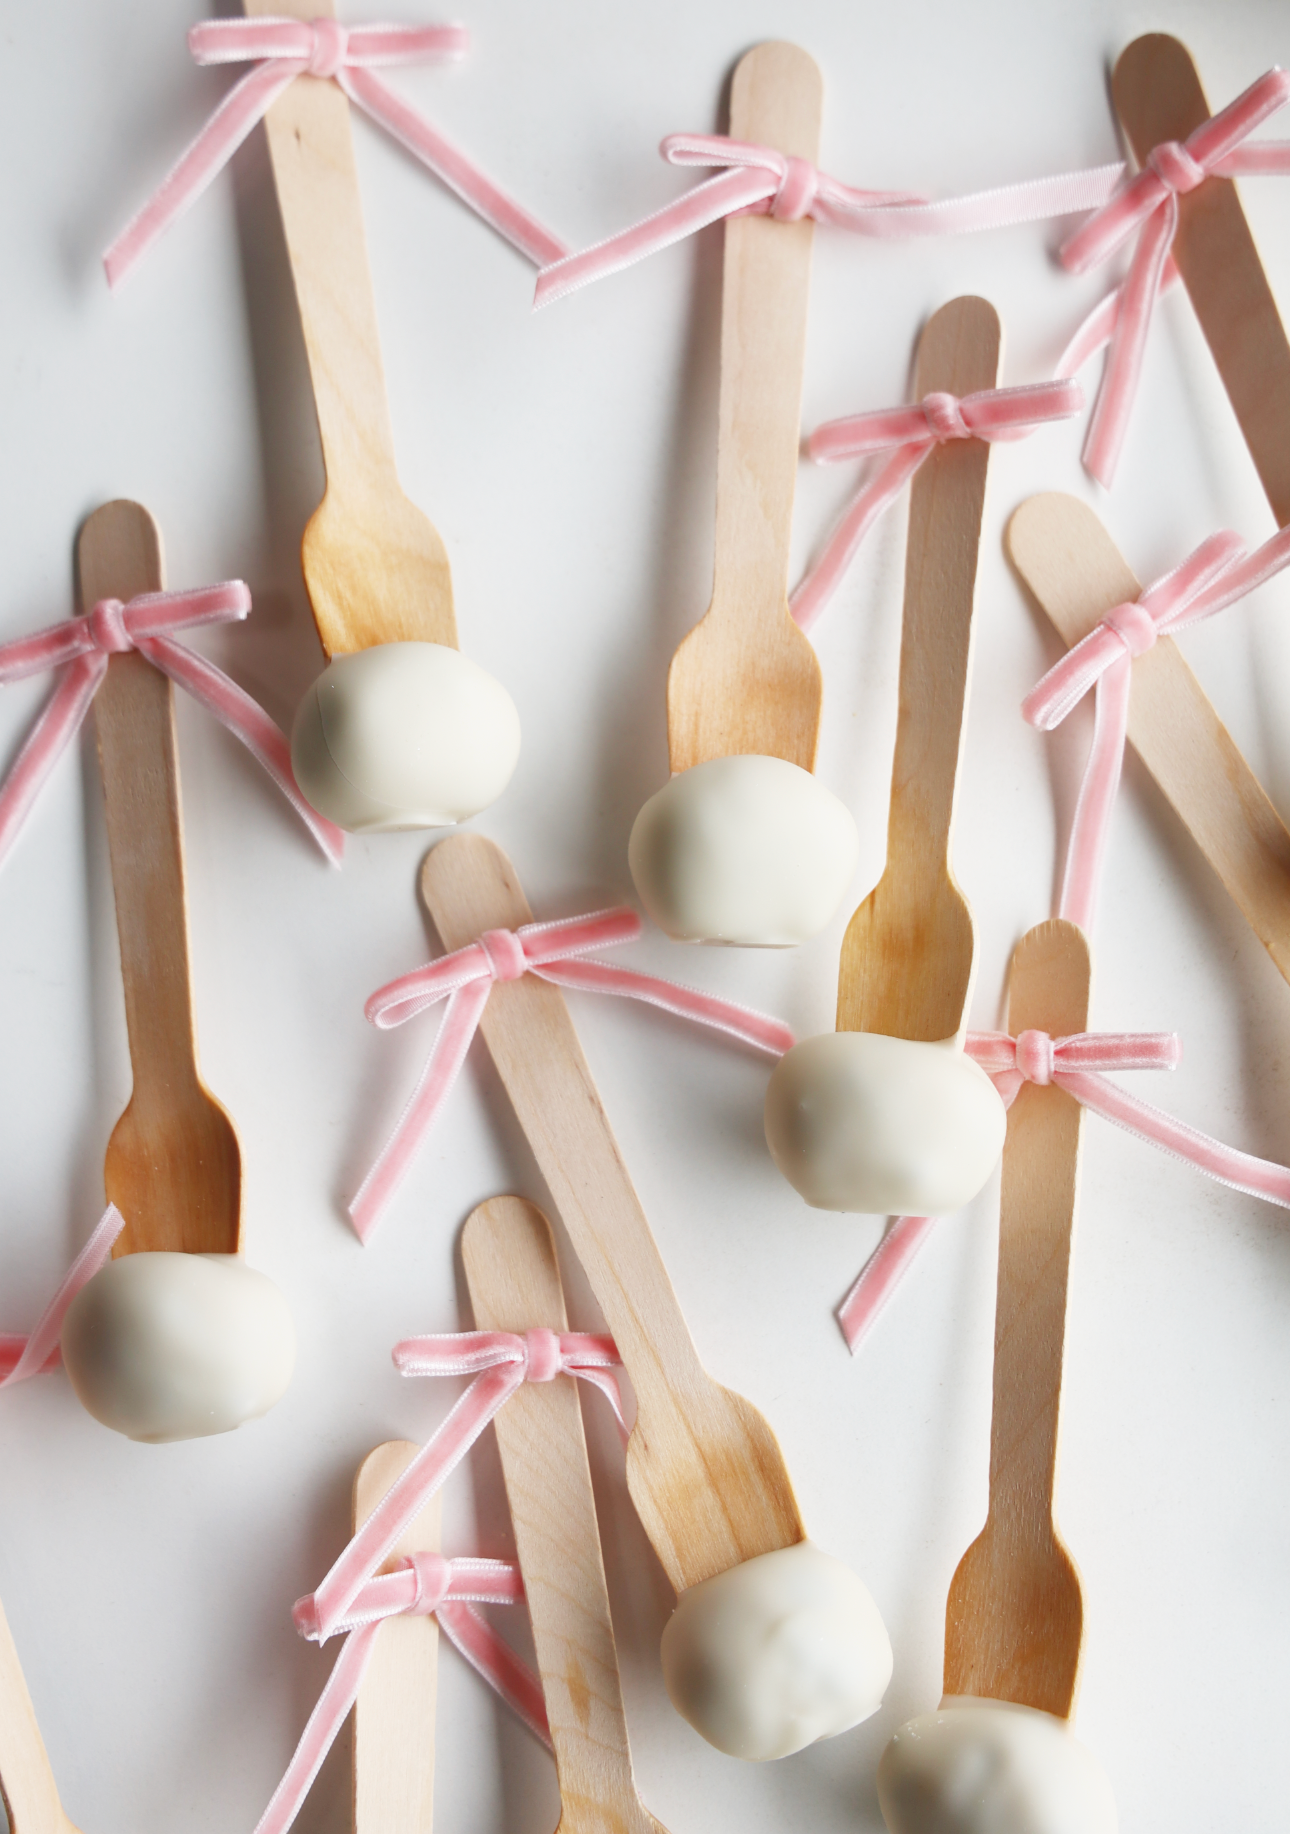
172 1168
705 1471
1074 569
1158 96
514 1282
1014 1622
27 1784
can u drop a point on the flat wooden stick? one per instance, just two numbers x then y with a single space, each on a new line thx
514 1282
704 1468
27 1785
1014 1622
1077 574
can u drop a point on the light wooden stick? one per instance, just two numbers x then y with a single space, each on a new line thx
26 1782
514 1282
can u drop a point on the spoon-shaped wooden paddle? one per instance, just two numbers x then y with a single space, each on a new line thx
705 1471
906 967
173 1168
1158 97
27 1787
1074 569
514 1282
746 679
1014 1622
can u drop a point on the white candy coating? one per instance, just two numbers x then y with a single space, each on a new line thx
859 1121
404 735
177 1346
748 850
774 1654
988 1767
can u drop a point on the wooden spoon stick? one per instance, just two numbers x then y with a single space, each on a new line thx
27 1786
906 966
1158 97
1077 574
173 1168
705 1471
1014 1622
514 1282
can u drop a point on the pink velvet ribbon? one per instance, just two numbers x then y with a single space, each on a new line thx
418 1585
466 978
501 1362
81 648
1148 207
284 49
1218 573
914 433
21 1357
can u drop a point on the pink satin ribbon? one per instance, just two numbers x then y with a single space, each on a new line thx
466 978
1148 205
501 1362
81 648
419 1585
1218 573
914 432
21 1357
323 48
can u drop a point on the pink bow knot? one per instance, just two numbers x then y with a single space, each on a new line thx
107 627
543 1357
798 189
1036 1057
944 415
328 53
505 952
1134 625
1174 166
433 1575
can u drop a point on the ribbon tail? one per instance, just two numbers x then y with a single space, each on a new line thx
1110 418
824 578
493 1658
1086 848
53 732
881 1274
319 1735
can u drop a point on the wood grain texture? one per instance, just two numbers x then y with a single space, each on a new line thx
906 965
1158 96
1014 1622
746 679
394 1715
705 1470
27 1785
514 1282
1077 574
172 1167
375 566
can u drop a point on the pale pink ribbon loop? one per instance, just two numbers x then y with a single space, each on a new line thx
419 1585
82 647
1218 573
501 1362
1148 205
465 979
22 1357
284 49
914 432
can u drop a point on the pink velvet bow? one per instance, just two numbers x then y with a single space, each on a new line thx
466 978
1219 572
81 647
1148 205
324 48
501 1362
914 432
419 1585
21 1357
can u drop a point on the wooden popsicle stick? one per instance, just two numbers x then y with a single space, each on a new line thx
746 679
27 1786
1158 96
1014 1621
394 1731
705 1470
906 966
375 566
173 1167
1077 574
514 1282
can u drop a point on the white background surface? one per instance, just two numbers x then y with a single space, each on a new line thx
568 460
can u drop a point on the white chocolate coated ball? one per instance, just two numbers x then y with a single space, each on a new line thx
163 1346
859 1121
404 735
748 850
779 1652
989 1767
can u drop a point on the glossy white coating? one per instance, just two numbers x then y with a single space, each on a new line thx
989 1767
404 735
777 1653
860 1121
177 1346
746 850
